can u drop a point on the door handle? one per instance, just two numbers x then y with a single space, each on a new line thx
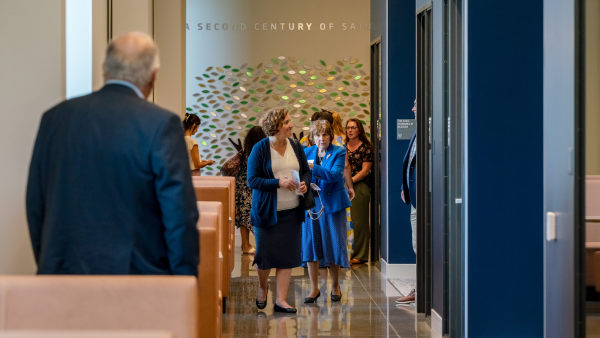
550 226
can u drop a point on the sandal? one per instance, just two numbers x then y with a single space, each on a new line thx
251 252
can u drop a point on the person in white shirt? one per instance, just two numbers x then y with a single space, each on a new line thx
191 123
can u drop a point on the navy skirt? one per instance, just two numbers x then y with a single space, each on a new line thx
279 246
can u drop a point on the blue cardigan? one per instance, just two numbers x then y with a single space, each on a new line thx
264 185
330 175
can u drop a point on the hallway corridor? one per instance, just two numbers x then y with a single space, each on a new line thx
367 309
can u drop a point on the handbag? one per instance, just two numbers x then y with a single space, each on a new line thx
232 166
309 199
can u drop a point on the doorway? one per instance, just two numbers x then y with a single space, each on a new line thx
424 157
376 126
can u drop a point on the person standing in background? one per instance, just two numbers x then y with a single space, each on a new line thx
340 140
109 189
191 123
408 193
243 193
360 156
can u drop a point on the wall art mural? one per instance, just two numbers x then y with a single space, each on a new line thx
230 100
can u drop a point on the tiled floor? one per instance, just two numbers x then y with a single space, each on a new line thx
367 309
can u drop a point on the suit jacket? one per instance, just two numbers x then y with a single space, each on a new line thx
329 176
409 183
264 185
110 189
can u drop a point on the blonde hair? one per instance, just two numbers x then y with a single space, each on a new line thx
272 119
338 129
320 127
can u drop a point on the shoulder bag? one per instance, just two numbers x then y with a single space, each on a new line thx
232 166
309 199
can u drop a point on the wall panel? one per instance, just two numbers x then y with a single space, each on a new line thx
32 79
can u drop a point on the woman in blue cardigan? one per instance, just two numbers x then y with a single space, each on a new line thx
278 208
324 230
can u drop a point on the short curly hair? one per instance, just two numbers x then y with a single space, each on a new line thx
272 119
320 127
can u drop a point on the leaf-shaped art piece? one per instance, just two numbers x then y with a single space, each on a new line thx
323 63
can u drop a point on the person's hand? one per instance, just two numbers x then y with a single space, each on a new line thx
303 188
211 162
402 196
288 184
351 194
311 165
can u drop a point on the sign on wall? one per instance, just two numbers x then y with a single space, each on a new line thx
240 64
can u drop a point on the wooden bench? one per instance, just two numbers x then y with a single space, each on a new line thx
209 271
113 303
220 194
592 230
84 334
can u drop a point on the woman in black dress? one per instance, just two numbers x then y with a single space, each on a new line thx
243 194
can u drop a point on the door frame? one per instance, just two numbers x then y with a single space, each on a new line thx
376 126
424 34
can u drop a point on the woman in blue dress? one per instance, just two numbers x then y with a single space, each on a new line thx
324 228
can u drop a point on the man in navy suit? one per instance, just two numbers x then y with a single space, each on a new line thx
409 195
110 188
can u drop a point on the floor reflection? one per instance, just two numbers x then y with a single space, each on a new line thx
364 311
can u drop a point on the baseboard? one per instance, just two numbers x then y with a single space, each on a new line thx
436 325
398 270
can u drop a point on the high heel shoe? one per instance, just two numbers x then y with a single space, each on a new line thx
278 308
262 305
336 298
308 300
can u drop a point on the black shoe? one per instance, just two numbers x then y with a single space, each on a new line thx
278 308
308 300
262 305
336 298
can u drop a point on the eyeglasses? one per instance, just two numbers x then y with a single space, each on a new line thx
351 128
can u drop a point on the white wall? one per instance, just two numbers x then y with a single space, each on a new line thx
32 79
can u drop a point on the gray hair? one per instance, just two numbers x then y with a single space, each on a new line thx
131 57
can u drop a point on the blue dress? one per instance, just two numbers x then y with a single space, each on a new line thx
325 239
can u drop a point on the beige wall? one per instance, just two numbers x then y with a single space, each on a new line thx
165 20
99 40
169 34
131 15
592 83
32 79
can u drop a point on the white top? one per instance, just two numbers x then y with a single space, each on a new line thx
190 142
282 167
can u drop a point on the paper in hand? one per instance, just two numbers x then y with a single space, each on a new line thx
296 178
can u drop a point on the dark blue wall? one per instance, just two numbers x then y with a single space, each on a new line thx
401 81
505 169
402 94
